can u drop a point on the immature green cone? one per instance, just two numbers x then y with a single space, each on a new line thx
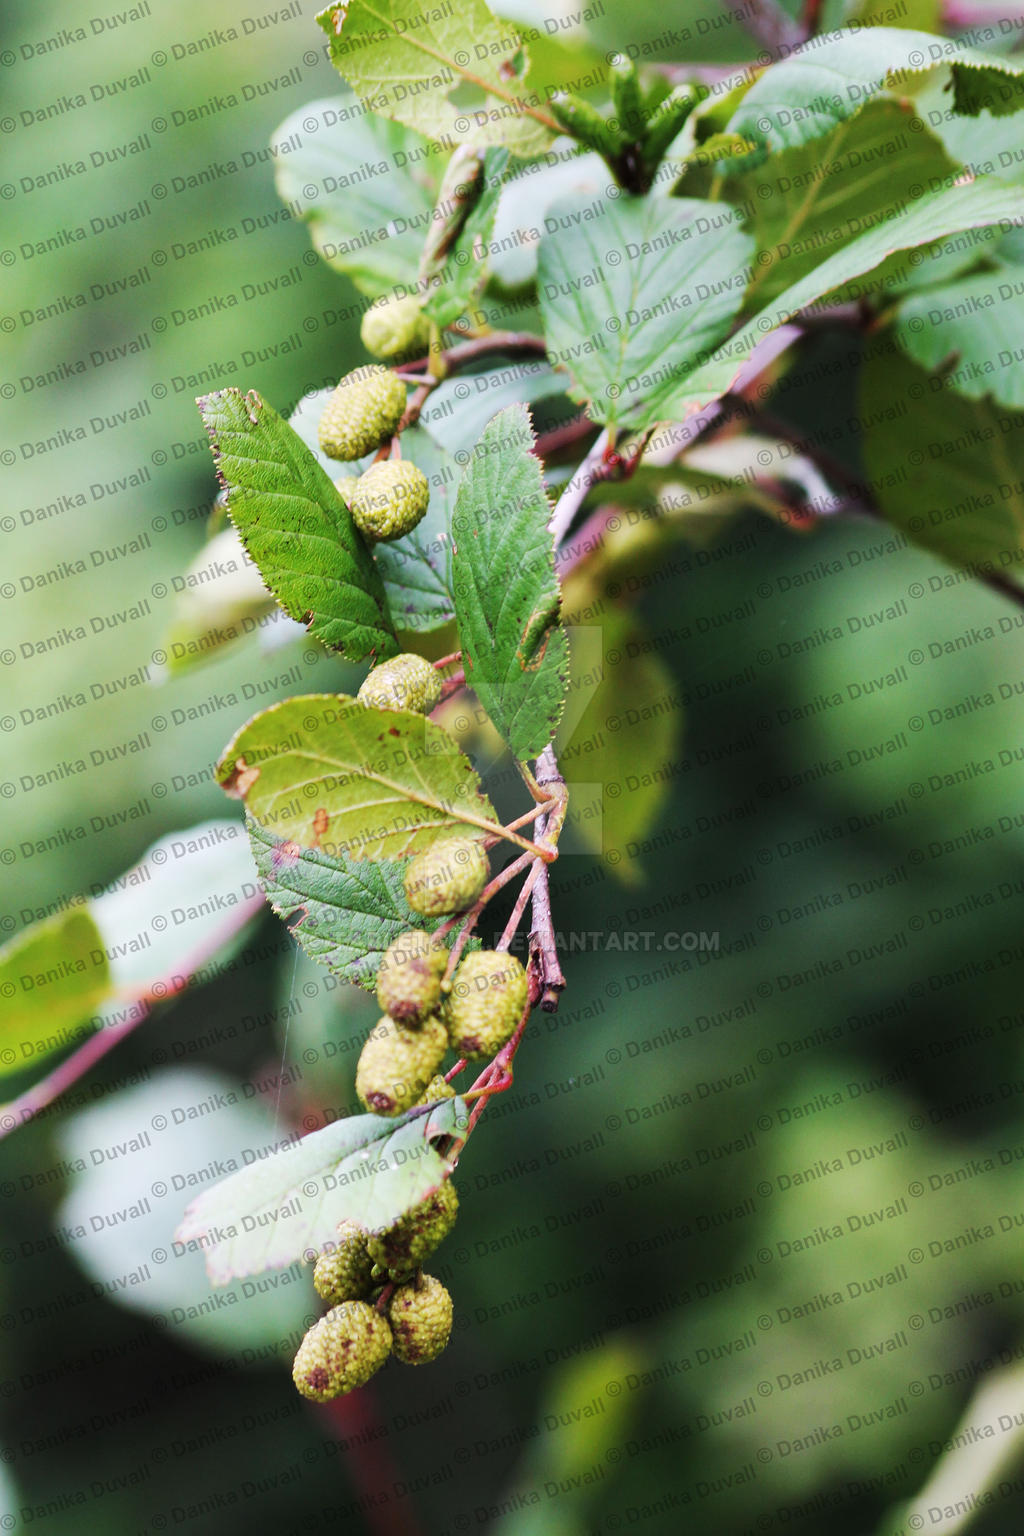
485 1004
389 500
343 1272
436 1089
409 978
626 95
404 682
578 118
666 122
415 1235
395 327
362 413
342 1351
420 1315
396 1064
448 877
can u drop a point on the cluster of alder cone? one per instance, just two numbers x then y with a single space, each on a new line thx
380 1301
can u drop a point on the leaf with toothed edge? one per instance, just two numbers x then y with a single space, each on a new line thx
325 771
364 1168
296 527
514 647
346 912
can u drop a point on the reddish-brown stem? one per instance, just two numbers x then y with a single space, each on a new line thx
543 944
92 1050
495 341
451 685
497 1075
384 1297
370 1464
446 661
563 437
811 16
531 815
416 404
464 352
512 926
471 917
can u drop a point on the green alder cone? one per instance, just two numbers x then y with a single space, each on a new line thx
447 877
389 500
342 1351
362 413
343 1272
409 978
420 1315
436 1090
485 1004
396 1064
395 327
404 682
413 1238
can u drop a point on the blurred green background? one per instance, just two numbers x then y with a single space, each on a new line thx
744 1240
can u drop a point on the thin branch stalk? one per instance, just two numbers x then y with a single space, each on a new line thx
63 1077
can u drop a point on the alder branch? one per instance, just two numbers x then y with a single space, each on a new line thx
542 934
859 498
42 1094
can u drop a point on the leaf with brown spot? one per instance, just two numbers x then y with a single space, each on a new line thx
388 793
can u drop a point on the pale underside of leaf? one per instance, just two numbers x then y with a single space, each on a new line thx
365 1169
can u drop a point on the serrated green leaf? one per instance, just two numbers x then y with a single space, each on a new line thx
364 1168
960 207
973 328
347 911
992 85
53 976
296 527
946 470
373 185
514 649
325 771
810 200
407 67
634 293
829 79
